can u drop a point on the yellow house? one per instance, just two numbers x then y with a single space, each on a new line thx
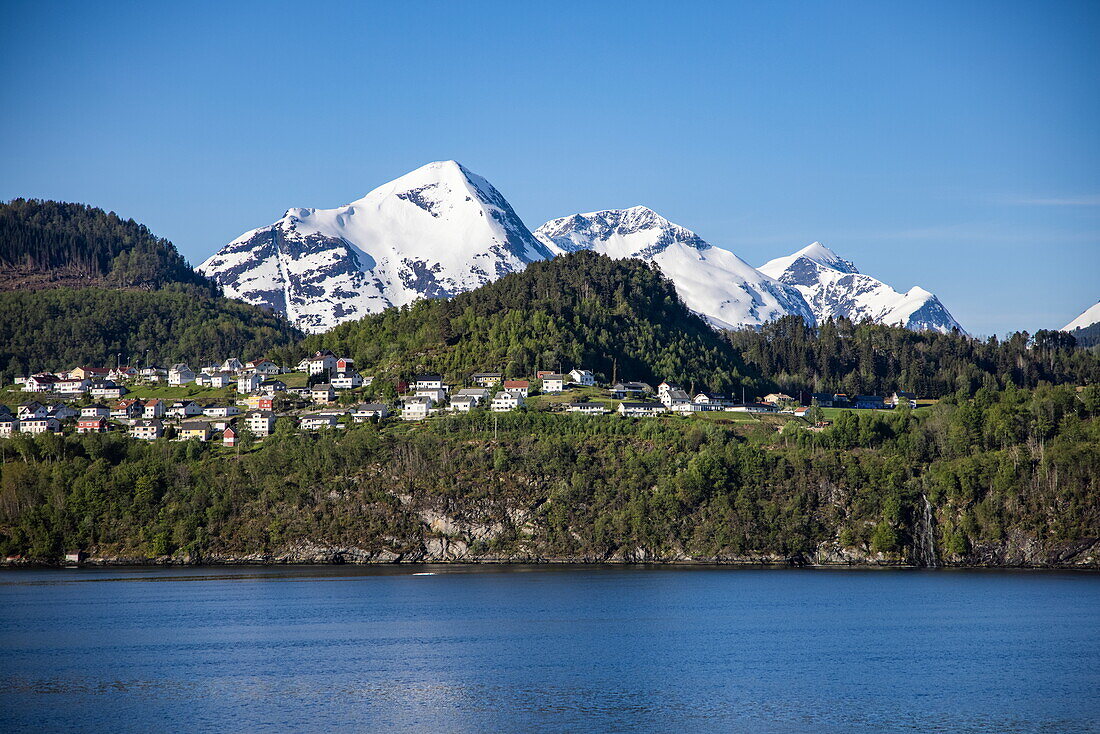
200 431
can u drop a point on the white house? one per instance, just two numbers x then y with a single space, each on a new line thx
147 430
505 400
646 409
95 411
486 379
180 374
517 387
8 425
709 401
231 365
61 411
673 396
321 361
586 408
437 394
107 389
900 398
261 423
346 380
185 409
554 383
416 408
248 383
322 393
751 408
364 411
428 382
33 409
40 383
264 367
582 377
154 408
40 425
220 411
464 403
72 386
316 421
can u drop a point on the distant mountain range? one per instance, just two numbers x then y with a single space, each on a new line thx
442 230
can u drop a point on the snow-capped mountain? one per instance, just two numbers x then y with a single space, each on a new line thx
833 287
435 232
1088 318
713 282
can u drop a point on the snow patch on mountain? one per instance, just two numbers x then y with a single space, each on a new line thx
435 232
834 288
1088 318
713 282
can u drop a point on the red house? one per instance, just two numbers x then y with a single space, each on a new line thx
91 425
229 437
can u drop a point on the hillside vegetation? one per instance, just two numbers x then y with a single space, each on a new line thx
65 327
874 359
52 244
619 318
84 286
1003 478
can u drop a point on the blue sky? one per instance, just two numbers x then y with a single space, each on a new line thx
951 145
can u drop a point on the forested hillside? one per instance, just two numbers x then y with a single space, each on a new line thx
46 244
86 287
1004 478
619 318
876 359
64 327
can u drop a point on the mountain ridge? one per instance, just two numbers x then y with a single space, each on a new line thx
442 230
833 287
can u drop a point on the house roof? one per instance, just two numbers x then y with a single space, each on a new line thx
427 378
641 405
517 383
322 386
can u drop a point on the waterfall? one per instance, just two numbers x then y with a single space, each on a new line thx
925 537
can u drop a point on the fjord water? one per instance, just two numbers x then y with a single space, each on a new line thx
548 649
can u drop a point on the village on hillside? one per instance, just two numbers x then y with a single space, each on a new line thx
322 392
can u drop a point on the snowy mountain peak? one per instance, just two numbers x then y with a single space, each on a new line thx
434 232
813 255
834 287
1088 318
713 282
635 232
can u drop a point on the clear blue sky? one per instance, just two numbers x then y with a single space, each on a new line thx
951 145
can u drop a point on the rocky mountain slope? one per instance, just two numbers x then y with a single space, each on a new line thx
436 232
833 288
713 282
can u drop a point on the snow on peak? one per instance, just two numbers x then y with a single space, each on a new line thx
834 288
816 254
1088 318
713 282
434 232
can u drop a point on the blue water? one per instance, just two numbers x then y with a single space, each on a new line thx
476 649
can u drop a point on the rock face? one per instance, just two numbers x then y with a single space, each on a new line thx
833 288
713 282
433 233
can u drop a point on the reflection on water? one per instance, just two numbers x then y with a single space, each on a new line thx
548 649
